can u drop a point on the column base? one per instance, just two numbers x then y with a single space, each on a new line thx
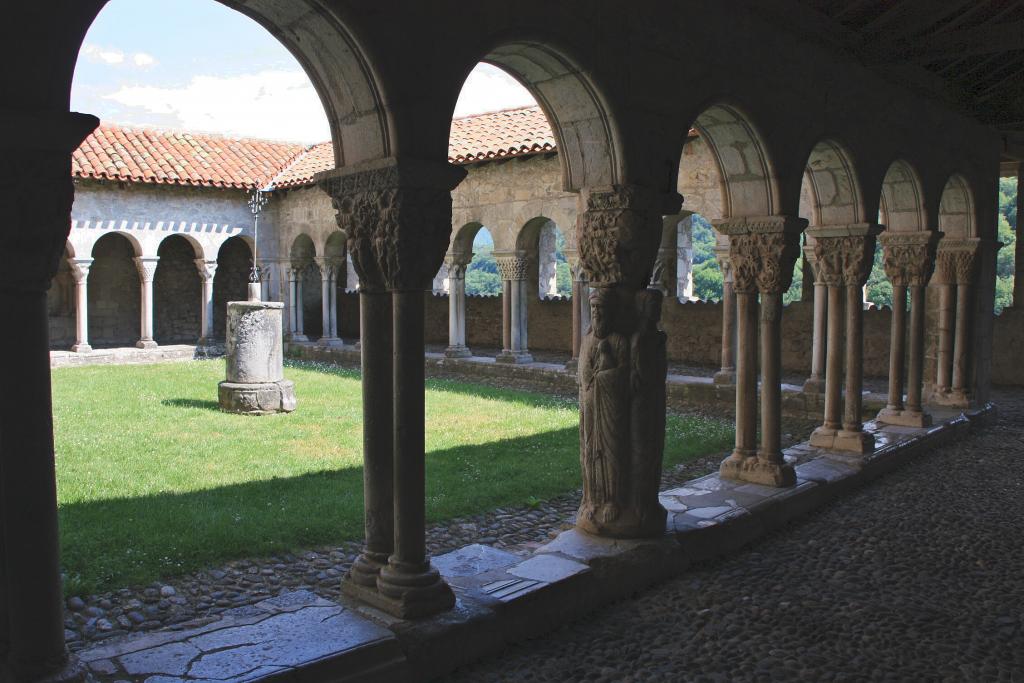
953 398
572 365
514 357
756 470
81 348
814 385
725 377
457 352
257 399
612 521
330 342
904 417
297 338
145 344
846 440
410 594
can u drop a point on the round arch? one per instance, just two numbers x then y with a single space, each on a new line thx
956 209
834 186
902 206
231 281
177 292
462 240
114 291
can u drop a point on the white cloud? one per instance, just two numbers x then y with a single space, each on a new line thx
273 104
95 53
488 88
143 59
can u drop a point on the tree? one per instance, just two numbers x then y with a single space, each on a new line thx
482 274
707 281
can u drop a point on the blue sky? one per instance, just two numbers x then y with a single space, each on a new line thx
197 65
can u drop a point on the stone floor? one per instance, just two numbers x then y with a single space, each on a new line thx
917 576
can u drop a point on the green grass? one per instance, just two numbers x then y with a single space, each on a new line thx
153 480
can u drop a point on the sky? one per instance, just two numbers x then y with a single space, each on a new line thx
197 65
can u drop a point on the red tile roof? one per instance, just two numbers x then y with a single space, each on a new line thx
144 155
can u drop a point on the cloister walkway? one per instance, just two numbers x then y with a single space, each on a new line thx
914 577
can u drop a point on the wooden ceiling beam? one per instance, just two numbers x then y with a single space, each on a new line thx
979 40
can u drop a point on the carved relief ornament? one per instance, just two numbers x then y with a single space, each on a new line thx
397 215
763 251
512 267
909 257
844 255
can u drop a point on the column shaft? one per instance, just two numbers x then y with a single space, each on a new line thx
943 379
506 315
746 375
146 323
915 365
727 374
962 339
818 340
897 347
771 379
81 314
325 303
334 305
834 359
854 357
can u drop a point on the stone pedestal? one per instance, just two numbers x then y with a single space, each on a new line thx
255 381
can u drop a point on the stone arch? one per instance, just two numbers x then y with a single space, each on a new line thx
335 253
902 206
835 193
746 177
537 242
956 209
462 241
231 281
114 291
177 292
586 135
303 257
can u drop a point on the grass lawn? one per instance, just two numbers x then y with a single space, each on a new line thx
153 480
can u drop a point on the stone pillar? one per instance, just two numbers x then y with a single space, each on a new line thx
36 203
763 252
329 302
207 271
844 256
956 266
295 298
404 205
727 373
457 310
80 273
909 259
146 266
580 309
514 272
1018 245
815 383
255 382
622 362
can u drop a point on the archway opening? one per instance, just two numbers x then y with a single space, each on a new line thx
177 292
231 281
114 292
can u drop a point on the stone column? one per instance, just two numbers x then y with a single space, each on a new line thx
956 266
763 252
514 271
815 383
36 203
580 309
207 271
295 298
727 374
622 362
1018 245
397 215
328 302
909 258
844 256
80 273
457 310
146 266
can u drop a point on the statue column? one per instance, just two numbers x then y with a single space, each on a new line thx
727 374
146 266
408 202
580 308
207 271
80 273
957 263
815 383
909 258
514 271
457 309
37 198
844 256
622 362
763 252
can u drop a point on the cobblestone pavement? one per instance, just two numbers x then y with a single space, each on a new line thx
918 576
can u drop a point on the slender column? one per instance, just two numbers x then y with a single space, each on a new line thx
146 266
207 271
943 378
295 285
415 233
852 424
37 200
727 374
763 252
514 271
580 310
957 263
328 269
80 273
335 270
457 311
909 259
506 317
815 383
825 434
962 338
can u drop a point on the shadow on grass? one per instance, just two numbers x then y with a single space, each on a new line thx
200 403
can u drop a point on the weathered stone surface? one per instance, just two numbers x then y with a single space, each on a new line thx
269 397
254 348
548 568
473 559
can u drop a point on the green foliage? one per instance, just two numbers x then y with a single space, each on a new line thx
563 279
703 240
707 281
482 273
879 288
1007 234
154 480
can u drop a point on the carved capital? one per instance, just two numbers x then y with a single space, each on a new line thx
397 214
844 254
619 230
909 257
763 251
80 268
513 267
456 269
146 265
207 269
956 261
724 263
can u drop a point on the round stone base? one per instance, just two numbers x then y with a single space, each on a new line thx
257 399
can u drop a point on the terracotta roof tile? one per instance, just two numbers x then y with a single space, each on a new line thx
512 132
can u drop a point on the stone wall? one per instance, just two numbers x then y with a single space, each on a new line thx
177 294
1008 338
231 282
114 294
